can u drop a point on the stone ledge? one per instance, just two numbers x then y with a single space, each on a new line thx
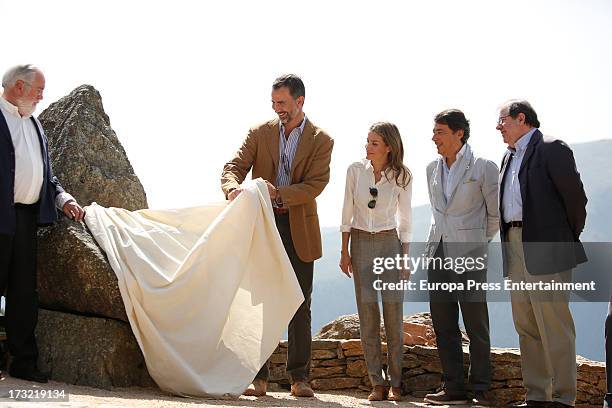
339 365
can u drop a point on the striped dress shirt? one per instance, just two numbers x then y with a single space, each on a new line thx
287 148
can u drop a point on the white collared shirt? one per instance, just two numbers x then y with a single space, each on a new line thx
28 156
393 204
512 201
449 174
29 172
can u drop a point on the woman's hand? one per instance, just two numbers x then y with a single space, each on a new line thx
345 264
404 270
404 273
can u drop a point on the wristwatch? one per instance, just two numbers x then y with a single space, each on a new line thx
278 200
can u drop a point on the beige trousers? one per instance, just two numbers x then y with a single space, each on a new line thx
545 326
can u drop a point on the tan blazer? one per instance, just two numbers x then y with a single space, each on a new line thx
309 176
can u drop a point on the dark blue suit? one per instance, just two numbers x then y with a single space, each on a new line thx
18 226
47 212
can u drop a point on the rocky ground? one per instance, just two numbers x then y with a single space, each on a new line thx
79 396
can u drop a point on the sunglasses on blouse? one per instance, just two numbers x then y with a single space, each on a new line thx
374 194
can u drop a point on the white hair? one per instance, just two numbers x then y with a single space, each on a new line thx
23 72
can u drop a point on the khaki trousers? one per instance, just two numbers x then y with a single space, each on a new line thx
364 248
545 326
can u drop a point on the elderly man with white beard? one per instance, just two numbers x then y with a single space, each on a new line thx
30 195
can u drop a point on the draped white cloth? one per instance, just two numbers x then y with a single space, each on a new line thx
208 291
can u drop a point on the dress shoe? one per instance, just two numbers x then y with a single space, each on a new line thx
395 394
30 374
446 398
531 404
378 393
480 399
257 389
301 389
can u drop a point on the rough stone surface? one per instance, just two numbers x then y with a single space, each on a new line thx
357 368
90 351
86 339
91 164
335 383
504 396
323 354
344 327
326 372
421 372
421 382
417 329
86 154
74 274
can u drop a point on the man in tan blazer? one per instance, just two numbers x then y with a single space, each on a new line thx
292 155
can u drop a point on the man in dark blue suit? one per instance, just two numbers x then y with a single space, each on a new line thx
29 196
542 214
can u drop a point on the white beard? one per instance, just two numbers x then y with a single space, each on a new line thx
26 109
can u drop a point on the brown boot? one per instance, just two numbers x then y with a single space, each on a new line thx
257 389
395 394
301 389
378 393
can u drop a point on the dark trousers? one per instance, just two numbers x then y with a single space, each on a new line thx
608 397
444 307
300 337
18 279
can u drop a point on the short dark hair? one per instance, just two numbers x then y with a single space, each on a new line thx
522 106
455 120
291 81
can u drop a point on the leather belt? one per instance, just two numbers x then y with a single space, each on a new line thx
374 233
514 224
280 210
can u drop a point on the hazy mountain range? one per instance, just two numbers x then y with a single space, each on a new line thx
333 292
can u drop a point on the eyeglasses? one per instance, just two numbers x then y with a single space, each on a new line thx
39 91
374 194
502 119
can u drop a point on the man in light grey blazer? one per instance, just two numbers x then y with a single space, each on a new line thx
463 191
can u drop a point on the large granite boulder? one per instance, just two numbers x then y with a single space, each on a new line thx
91 164
90 351
85 339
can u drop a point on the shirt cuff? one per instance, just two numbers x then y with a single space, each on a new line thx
405 236
61 199
345 228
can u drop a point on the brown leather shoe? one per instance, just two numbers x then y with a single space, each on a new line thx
301 389
257 389
378 393
395 394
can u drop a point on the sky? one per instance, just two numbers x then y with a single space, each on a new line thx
183 81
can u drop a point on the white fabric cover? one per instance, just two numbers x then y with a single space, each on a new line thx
208 291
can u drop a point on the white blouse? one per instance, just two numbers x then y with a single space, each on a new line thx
393 204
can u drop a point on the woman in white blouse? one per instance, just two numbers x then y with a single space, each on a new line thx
376 208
